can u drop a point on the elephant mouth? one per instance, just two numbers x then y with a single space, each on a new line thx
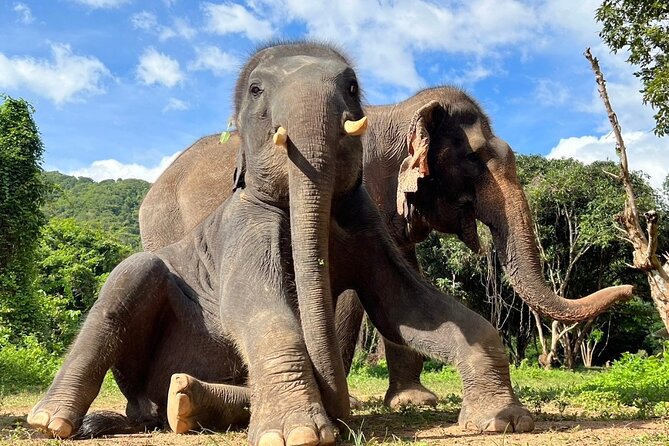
468 233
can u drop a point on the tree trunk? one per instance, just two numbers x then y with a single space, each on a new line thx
645 246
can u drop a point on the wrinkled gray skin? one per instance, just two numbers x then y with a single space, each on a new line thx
299 229
224 299
472 175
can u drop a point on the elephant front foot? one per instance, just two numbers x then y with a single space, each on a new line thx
485 416
54 418
412 394
309 426
193 404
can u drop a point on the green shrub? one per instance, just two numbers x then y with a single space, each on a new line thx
26 366
634 381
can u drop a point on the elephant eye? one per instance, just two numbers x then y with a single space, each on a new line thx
353 88
255 90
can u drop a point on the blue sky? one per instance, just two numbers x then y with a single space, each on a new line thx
121 86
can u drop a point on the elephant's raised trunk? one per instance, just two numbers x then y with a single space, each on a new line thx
312 141
503 207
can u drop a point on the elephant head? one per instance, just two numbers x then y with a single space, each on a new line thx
457 171
298 113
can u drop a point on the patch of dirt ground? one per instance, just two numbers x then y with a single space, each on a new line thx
413 428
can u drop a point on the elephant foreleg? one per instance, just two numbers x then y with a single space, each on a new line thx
124 313
193 404
409 311
348 318
286 405
412 313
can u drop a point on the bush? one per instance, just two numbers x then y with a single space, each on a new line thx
635 381
26 366
75 260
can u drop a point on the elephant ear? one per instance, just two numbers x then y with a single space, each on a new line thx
240 170
415 165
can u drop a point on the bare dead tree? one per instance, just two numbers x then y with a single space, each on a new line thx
644 244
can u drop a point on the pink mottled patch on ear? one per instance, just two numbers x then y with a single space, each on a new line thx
415 165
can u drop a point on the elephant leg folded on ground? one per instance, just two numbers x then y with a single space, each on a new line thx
193 403
145 328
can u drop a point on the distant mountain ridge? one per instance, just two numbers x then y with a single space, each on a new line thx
112 205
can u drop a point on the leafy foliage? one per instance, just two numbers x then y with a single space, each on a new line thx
50 275
633 380
574 208
111 205
74 262
22 193
642 26
27 366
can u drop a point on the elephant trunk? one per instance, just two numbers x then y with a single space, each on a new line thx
502 206
312 141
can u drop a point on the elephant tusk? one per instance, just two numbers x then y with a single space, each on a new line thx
356 128
280 137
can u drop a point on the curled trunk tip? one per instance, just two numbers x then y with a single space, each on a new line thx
545 302
592 305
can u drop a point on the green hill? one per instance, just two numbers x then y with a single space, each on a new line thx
111 205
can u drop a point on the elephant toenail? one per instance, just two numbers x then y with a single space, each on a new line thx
271 438
60 428
40 419
302 436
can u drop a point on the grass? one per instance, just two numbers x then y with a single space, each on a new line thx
634 388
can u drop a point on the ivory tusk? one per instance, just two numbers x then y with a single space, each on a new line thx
356 128
280 137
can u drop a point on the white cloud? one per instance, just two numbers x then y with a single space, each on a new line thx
229 18
470 74
147 21
212 58
113 169
174 104
180 28
158 68
102 4
24 12
571 20
64 79
644 151
388 38
551 93
144 20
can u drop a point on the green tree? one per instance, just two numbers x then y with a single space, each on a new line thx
574 208
111 205
22 192
642 26
74 261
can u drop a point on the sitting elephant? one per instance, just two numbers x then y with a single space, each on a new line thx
248 296
430 162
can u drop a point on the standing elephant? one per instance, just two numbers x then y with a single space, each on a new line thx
430 162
